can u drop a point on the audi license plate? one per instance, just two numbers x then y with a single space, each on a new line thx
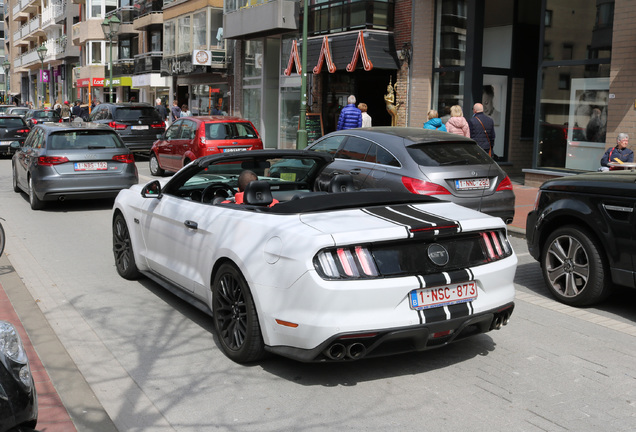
445 295
91 166
481 183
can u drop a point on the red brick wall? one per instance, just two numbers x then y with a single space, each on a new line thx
422 62
621 112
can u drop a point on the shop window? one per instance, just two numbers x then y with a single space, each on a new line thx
568 51
183 35
547 19
564 82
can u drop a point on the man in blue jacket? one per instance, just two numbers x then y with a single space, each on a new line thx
619 153
350 116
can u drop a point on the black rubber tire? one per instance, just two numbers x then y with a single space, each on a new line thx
122 249
16 188
235 318
573 268
36 203
155 169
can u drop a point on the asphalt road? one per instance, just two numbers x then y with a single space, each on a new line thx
152 363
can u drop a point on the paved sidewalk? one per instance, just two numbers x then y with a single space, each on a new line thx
524 203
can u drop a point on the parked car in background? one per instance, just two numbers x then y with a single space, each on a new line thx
12 128
16 110
72 161
138 124
315 276
18 398
190 138
583 233
447 166
4 108
39 116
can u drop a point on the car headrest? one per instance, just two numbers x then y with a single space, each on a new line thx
341 183
258 193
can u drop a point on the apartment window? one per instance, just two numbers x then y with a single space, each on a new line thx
95 52
155 40
124 49
183 38
548 18
199 30
169 38
568 51
99 8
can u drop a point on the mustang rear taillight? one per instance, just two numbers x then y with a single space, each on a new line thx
346 263
422 187
496 245
118 126
52 160
505 184
125 158
158 125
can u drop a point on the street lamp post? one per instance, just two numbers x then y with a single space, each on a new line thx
42 53
6 65
110 27
301 137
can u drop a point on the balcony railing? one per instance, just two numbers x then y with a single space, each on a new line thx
124 67
55 47
50 13
148 62
342 15
27 58
148 6
126 14
34 24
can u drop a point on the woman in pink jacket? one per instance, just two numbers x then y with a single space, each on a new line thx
457 124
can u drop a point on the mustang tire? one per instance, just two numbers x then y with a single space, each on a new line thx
36 203
573 268
235 318
122 249
155 169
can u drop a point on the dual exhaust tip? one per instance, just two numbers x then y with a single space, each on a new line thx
338 351
500 320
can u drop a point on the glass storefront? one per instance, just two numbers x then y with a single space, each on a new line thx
252 79
575 84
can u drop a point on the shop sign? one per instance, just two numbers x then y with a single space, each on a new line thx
94 82
181 65
202 58
45 75
119 81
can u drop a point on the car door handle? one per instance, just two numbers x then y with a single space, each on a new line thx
355 171
191 224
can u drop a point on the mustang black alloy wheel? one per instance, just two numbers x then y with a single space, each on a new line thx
122 248
573 267
235 318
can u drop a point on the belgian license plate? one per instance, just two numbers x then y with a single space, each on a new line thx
234 149
143 127
481 183
445 295
91 166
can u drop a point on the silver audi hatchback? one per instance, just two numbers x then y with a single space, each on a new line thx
440 164
72 161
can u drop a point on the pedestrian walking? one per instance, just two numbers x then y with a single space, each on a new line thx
185 112
175 111
350 116
161 109
366 118
457 124
434 122
482 129
65 112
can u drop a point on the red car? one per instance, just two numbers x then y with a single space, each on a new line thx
190 138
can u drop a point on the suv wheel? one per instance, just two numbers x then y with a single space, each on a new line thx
573 267
155 169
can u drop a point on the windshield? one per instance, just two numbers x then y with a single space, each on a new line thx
135 113
46 114
84 140
448 154
11 123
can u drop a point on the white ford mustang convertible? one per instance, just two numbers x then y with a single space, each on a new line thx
311 271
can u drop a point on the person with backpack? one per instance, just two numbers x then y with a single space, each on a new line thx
434 122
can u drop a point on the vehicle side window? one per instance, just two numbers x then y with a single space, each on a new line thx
95 114
354 148
173 130
329 145
385 158
188 129
244 131
38 142
30 138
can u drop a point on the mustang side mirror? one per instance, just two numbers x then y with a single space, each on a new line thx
152 190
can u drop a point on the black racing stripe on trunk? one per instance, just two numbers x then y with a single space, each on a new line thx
396 218
416 213
459 310
434 315
460 276
434 280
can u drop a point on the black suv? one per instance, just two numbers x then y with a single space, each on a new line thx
38 116
582 232
12 128
138 124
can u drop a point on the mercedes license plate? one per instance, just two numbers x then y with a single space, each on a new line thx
91 166
445 295
480 183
